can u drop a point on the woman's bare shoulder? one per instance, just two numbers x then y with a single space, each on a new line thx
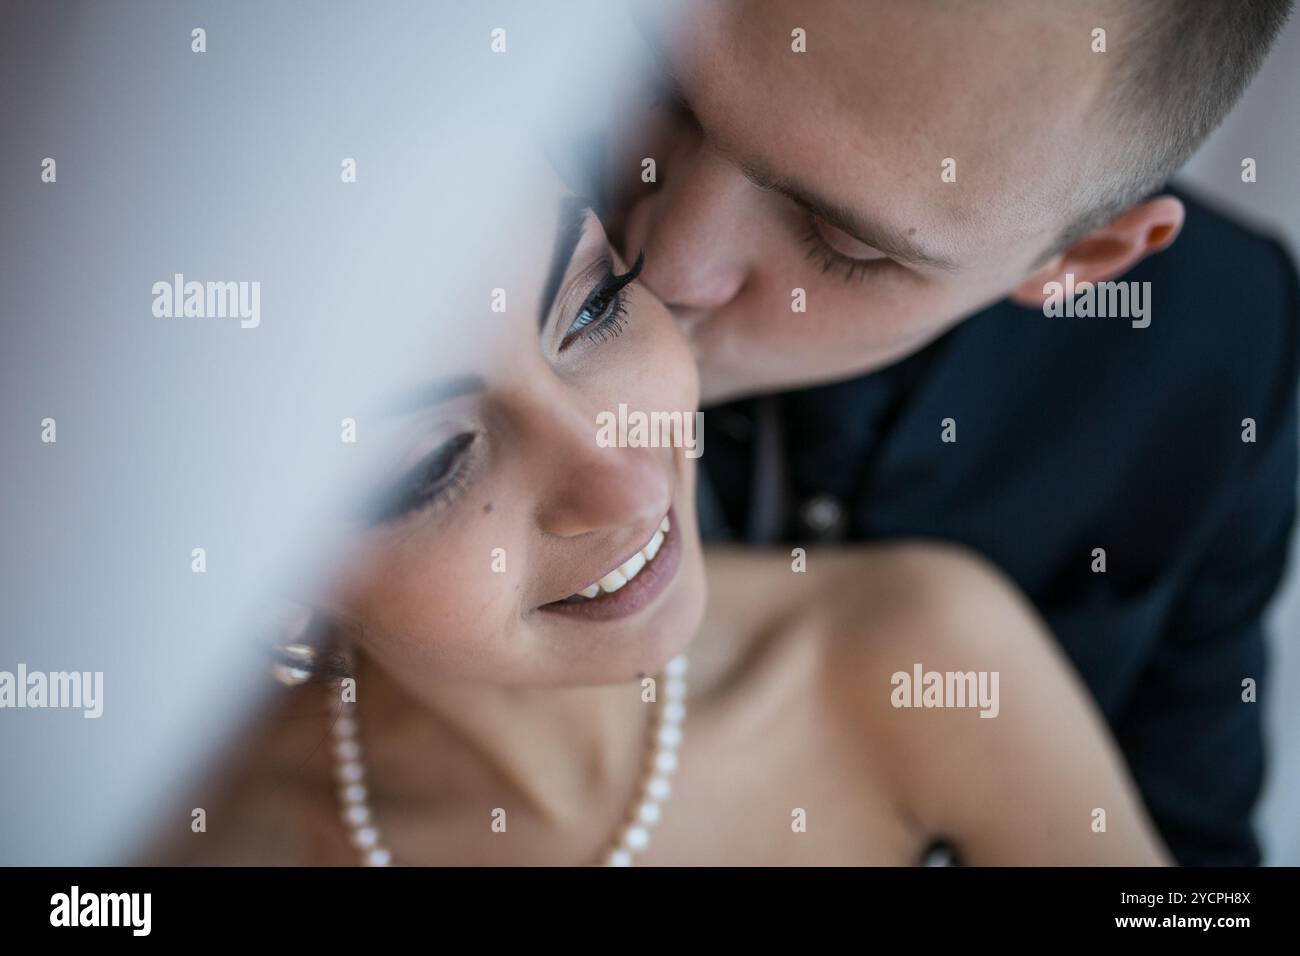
994 740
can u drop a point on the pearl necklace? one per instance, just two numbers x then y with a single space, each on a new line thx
632 837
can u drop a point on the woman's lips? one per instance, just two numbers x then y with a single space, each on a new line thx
648 584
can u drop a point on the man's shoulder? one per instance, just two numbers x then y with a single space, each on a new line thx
1221 264
1228 302
1216 234
1223 306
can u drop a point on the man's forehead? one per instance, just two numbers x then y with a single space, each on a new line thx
889 97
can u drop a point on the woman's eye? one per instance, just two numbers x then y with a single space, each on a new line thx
593 310
435 478
603 312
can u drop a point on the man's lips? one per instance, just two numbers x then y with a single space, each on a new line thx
648 582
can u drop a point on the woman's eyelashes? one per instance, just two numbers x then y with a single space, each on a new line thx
834 262
603 312
437 478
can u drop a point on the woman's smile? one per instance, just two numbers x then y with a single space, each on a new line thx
631 585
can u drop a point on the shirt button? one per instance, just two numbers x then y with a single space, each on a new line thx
823 517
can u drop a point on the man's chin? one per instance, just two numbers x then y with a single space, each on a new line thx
738 379
717 387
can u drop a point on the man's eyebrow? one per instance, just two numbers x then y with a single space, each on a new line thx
573 215
427 394
891 242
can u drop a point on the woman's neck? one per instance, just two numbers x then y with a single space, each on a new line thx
555 750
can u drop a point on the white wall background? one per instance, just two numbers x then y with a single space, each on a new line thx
174 435
1266 126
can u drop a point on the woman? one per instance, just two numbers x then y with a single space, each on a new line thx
516 595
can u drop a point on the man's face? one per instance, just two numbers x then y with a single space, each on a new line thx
824 171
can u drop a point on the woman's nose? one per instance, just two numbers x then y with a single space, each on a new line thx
594 488
692 232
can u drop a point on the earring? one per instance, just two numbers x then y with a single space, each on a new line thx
298 659
298 666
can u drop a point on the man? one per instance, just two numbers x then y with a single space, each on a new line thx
839 185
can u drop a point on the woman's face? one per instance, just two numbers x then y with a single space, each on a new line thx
503 506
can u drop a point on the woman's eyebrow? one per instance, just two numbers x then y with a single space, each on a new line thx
427 394
573 214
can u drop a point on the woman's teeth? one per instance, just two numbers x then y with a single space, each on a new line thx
630 568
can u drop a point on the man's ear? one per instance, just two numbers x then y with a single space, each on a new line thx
1109 251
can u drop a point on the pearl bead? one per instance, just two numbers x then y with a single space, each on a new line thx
379 857
648 813
637 838
665 761
354 793
674 712
351 771
676 667
620 858
345 727
659 788
347 749
669 736
675 688
365 838
357 814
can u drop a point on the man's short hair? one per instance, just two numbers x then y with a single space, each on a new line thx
1179 72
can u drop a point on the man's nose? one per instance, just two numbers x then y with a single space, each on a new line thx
692 230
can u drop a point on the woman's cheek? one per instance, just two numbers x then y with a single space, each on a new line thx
651 367
447 613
